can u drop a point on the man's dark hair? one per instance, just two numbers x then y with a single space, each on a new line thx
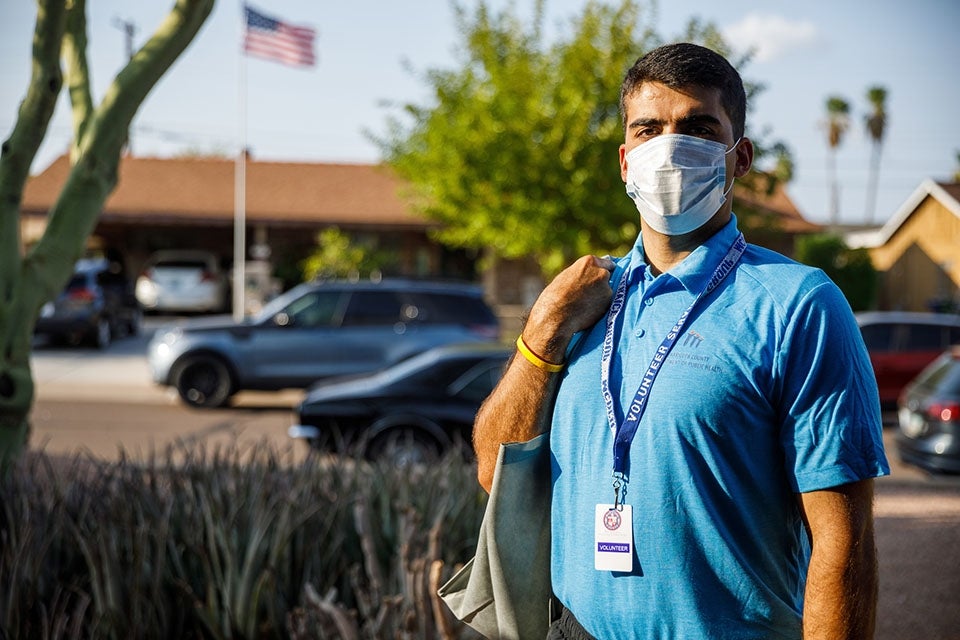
684 64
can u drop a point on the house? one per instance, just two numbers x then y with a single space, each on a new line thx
918 250
189 203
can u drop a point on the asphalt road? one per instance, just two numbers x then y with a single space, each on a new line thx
104 403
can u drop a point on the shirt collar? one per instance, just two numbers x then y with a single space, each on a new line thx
695 271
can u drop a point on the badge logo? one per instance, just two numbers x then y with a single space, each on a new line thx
611 520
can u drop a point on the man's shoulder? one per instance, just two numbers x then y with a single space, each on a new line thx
781 277
767 261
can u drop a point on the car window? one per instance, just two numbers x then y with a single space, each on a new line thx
477 383
181 264
923 337
449 308
372 308
943 376
314 309
878 337
954 335
77 281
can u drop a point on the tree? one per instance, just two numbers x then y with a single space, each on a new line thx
517 154
850 269
838 121
337 255
27 280
876 124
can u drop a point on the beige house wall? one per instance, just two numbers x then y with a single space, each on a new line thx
921 261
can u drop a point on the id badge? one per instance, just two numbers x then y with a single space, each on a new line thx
613 538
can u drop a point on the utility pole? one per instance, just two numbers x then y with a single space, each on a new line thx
129 28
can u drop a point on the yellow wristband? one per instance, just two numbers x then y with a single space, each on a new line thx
534 359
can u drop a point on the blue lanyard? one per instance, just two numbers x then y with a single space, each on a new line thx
626 431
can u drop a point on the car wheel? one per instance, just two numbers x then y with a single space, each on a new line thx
203 381
404 447
102 334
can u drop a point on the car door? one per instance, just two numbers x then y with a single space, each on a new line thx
300 343
381 328
899 351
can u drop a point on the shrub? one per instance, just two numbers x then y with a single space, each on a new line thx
231 544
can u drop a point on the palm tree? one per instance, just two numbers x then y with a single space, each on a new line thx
838 121
876 123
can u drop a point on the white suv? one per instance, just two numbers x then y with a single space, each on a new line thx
183 281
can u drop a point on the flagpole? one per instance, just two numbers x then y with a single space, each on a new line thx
240 187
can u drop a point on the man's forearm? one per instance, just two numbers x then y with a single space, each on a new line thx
516 411
519 407
840 600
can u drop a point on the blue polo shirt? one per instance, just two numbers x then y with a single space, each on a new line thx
767 393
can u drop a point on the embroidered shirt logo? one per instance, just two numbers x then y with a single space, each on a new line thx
692 339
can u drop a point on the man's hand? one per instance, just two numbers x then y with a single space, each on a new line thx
578 297
518 408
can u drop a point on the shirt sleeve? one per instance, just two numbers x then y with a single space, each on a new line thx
829 407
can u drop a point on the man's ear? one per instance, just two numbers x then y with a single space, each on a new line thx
744 158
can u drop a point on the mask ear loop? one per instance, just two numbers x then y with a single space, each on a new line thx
726 153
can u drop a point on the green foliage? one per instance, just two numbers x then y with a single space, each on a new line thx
838 120
518 151
230 544
851 269
337 255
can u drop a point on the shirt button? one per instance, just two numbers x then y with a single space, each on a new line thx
640 333
648 301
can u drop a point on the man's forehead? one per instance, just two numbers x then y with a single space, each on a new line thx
649 99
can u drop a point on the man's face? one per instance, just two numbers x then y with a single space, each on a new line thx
655 109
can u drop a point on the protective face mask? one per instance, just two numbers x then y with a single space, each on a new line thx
677 181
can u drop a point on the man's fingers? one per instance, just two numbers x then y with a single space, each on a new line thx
604 263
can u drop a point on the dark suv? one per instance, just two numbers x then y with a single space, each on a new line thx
315 331
902 343
97 305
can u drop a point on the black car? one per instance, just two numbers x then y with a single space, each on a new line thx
411 412
97 305
929 416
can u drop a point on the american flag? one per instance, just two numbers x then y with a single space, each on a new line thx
269 38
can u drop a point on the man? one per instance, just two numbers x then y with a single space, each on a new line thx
717 427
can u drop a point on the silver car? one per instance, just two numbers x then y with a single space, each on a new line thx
183 281
315 331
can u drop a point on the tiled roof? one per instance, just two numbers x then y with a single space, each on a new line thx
779 205
202 190
952 189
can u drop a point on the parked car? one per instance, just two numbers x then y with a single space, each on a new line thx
929 416
411 412
96 306
902 343
315 331
183 281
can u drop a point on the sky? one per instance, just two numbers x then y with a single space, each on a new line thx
372 56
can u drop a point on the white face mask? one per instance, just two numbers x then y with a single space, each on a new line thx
677 181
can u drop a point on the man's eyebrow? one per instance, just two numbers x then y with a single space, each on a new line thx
699 118
644 122
695 118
